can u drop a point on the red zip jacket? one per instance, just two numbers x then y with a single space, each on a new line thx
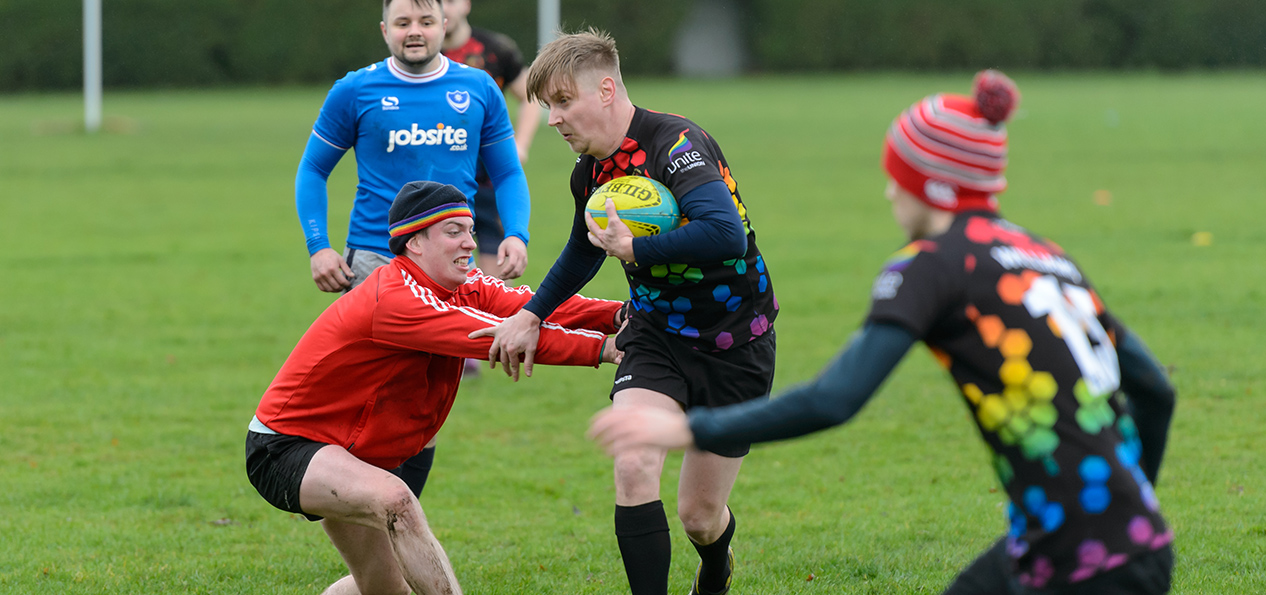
378 370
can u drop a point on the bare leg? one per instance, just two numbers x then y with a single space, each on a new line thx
344 489
366 550
344 586
637 472
369 556
706 481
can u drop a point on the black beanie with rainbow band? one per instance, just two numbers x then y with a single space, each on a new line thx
420 205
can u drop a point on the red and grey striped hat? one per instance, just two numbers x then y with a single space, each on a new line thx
950 150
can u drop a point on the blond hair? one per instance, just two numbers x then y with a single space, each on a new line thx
563 59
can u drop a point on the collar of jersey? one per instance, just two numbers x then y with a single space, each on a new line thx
628 134
417 78
421 278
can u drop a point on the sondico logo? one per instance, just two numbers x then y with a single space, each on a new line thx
455 138
886 286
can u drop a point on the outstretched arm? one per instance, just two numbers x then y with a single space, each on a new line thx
419 320
493 296
841 390
1150 396
517 336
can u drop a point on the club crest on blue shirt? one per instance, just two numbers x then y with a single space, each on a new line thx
458 100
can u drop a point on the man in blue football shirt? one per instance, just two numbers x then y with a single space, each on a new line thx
414 116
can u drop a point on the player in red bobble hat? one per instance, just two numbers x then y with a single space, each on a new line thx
1073 407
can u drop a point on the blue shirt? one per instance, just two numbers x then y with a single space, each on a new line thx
407 127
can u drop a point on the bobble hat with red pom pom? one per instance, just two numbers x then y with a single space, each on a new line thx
950 150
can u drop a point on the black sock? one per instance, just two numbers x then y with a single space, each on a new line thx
716 559
415 470
642 532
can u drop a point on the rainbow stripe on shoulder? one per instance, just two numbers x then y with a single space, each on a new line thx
681 146
901 258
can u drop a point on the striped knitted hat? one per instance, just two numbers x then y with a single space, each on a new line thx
950 150
420 205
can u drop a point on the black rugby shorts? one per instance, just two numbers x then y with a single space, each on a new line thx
655 360
275 464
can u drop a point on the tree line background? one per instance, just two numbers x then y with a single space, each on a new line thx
214 42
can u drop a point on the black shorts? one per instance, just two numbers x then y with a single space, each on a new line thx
276 463
655 360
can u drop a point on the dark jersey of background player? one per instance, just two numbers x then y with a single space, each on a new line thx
1035 354
492 53
678 285
497 55
1030 345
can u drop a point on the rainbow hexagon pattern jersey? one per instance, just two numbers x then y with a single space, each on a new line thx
713 306
1031 346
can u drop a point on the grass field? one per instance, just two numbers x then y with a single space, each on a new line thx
155 278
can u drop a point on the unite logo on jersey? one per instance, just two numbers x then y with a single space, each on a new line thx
455 138
682 156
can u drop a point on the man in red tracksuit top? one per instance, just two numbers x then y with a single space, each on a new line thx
373 379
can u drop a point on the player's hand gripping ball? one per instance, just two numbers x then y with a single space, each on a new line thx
644 205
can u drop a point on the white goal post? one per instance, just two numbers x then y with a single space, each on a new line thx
548 20
92 65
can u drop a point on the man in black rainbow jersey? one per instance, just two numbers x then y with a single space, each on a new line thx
1073 407
700 331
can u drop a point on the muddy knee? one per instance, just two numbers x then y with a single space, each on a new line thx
399 509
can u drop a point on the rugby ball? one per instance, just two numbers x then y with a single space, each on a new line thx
646 206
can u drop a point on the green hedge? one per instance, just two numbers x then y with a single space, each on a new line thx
970 34
208 42
202 42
